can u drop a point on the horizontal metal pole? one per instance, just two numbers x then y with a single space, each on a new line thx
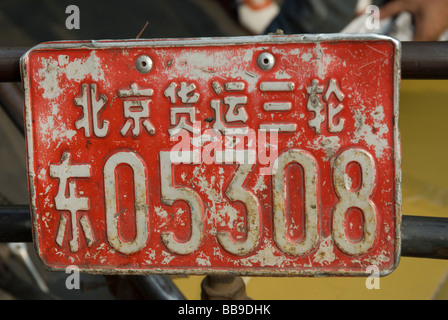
15 223
422 237
420 60
12 100
424 60
10 64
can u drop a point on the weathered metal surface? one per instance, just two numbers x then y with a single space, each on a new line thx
207 159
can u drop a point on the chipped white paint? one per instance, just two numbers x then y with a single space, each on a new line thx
260 185
203 260
268 256
373 134
161 212
151 254
322 60
178 217
227 214
379 259
330 145
78 69
306 57
167 257
325 253
42 173
202 66
54 130
282 75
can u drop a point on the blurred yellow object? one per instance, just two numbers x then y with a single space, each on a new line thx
424 132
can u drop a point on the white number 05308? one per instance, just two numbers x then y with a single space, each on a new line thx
348 198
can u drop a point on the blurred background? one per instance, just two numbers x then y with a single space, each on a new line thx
423 126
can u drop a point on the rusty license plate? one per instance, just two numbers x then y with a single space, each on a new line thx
269 155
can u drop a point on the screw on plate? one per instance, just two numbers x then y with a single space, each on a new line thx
143 64
265 61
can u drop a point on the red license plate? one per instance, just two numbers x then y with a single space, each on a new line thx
270 155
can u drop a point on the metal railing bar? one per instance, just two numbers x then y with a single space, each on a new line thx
422 237
420 60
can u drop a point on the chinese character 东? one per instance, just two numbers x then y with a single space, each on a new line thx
72 203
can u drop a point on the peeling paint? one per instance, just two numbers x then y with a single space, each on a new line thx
375 134
260 185
306 57
203 260
323 61
330 145
325 253
55 130
202 67
167 257
266 257
78 69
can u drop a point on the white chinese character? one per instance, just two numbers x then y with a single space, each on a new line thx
186 93
91 107
314 104
235 113
181 123
333 87
136 117
65 171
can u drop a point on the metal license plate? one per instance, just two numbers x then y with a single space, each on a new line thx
270 155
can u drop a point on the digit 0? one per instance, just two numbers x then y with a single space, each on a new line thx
141 202
280 195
